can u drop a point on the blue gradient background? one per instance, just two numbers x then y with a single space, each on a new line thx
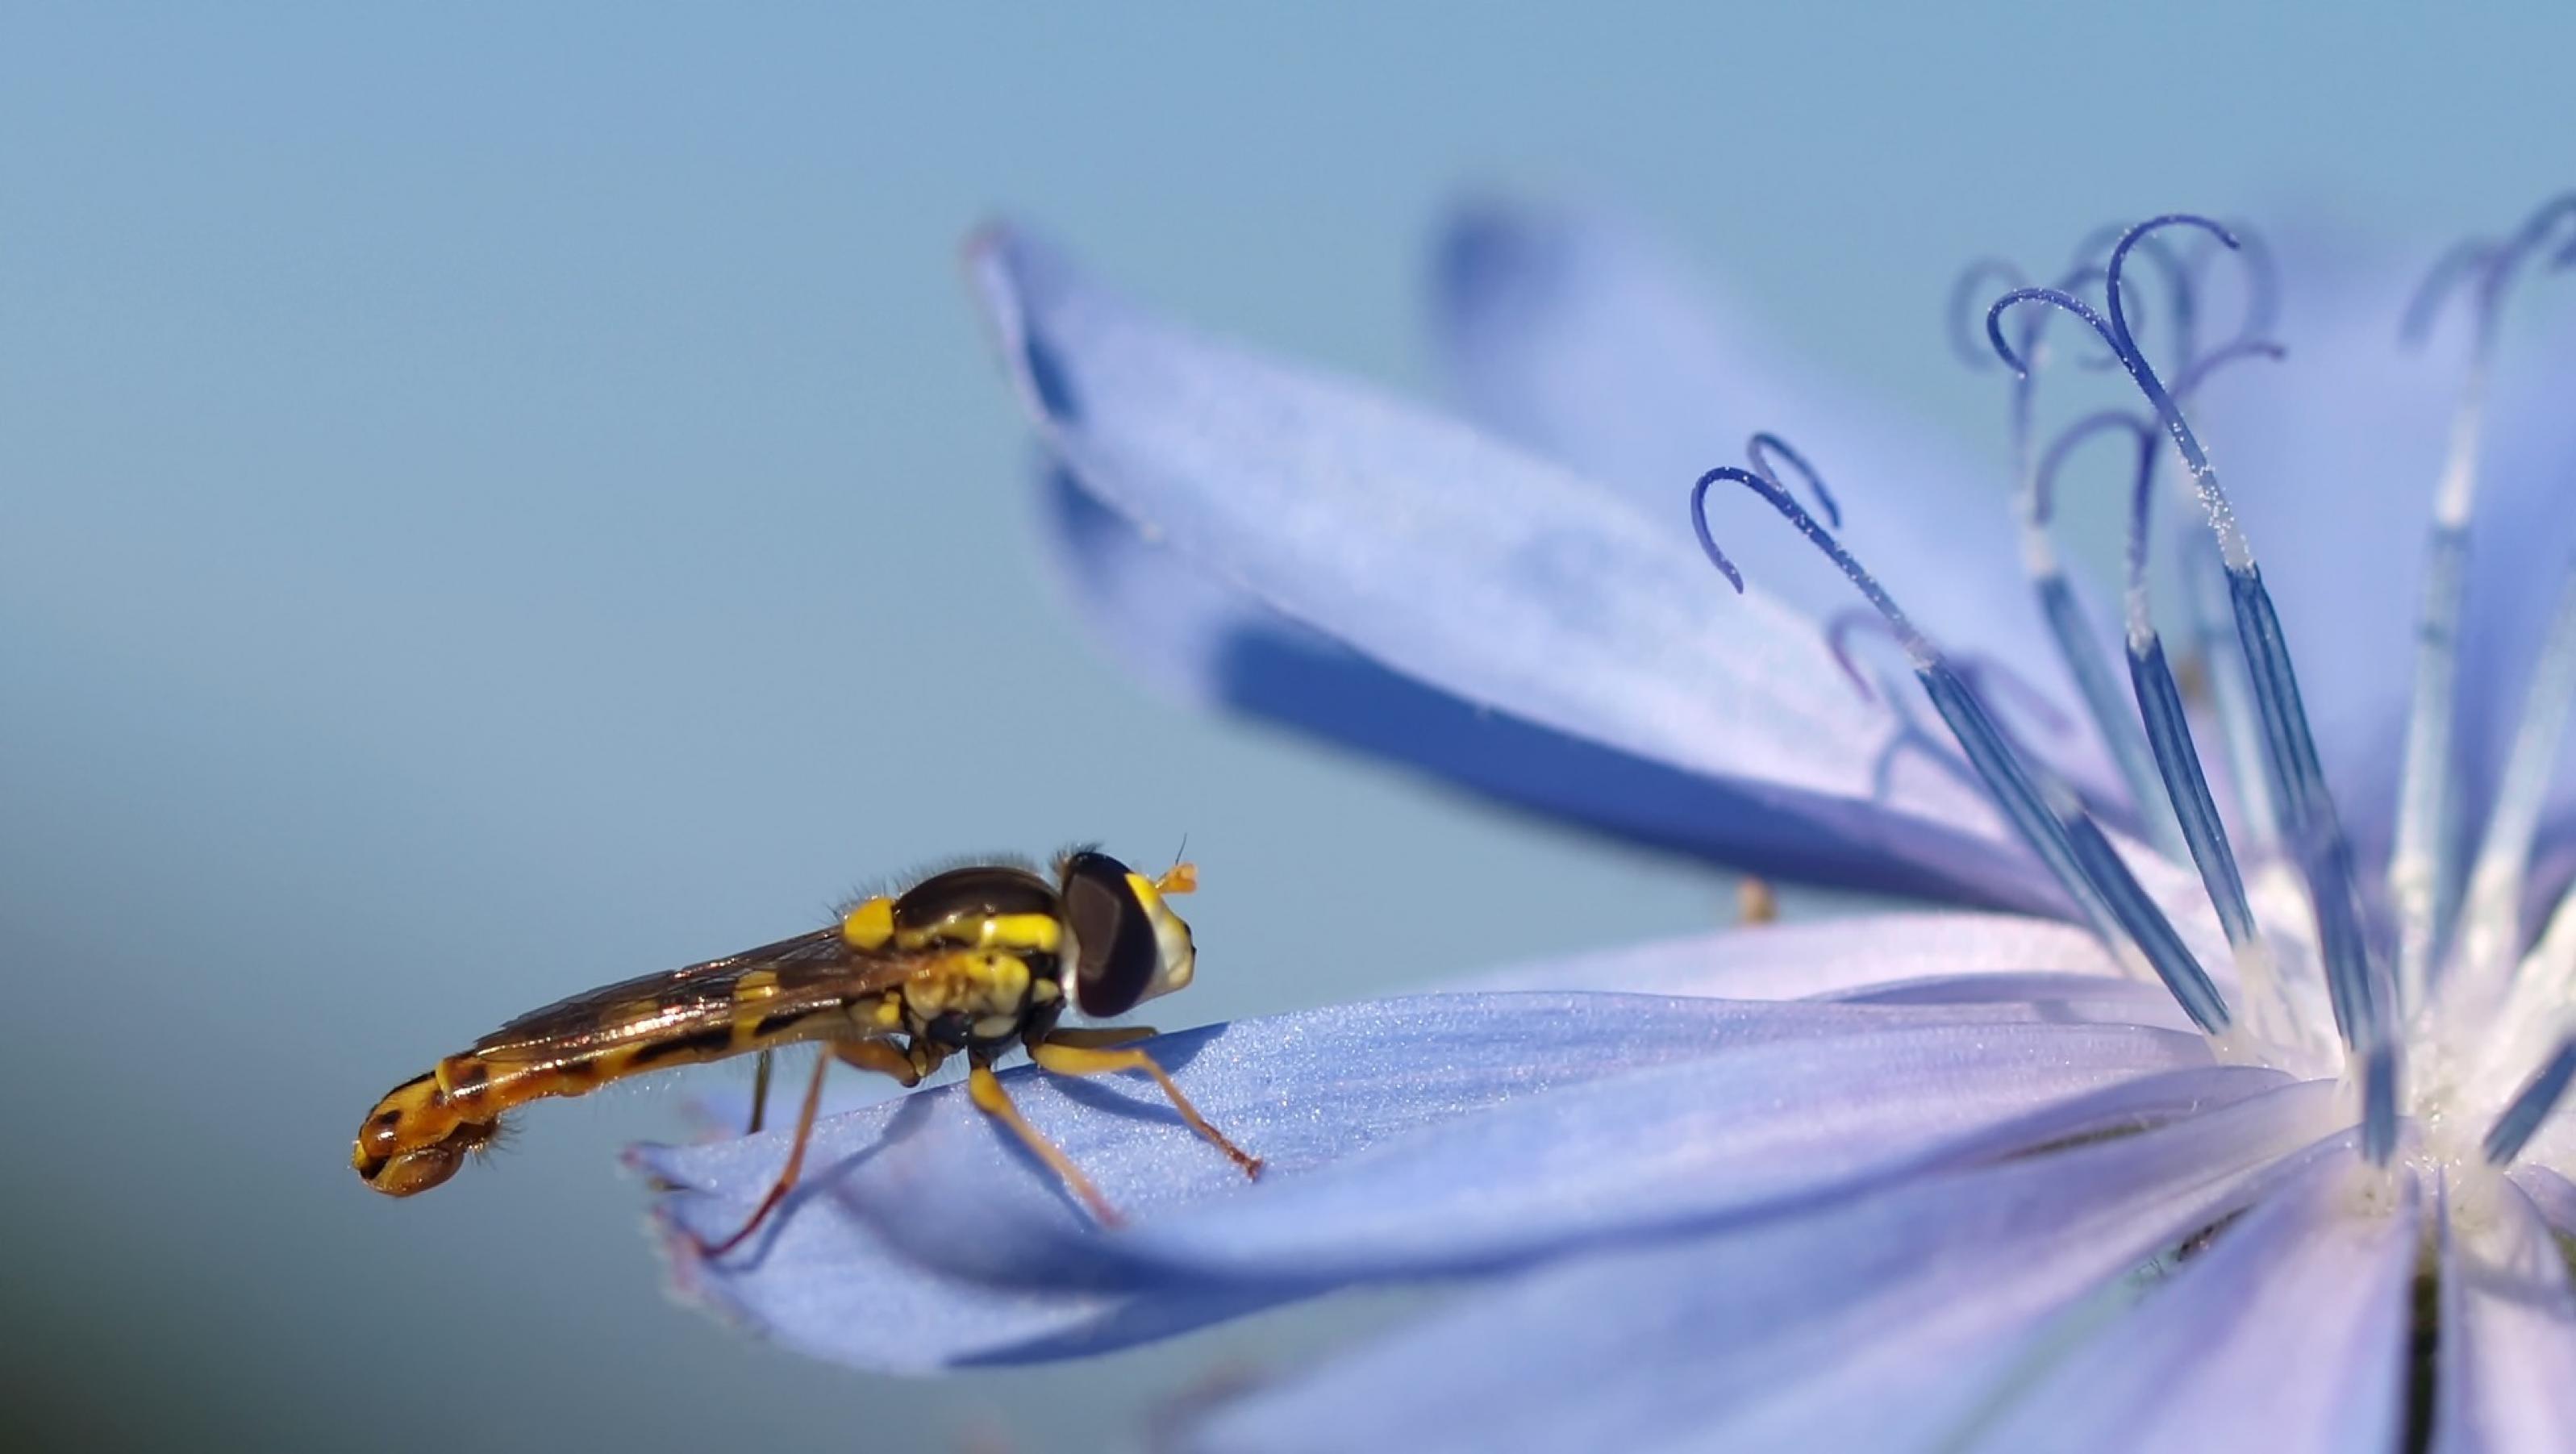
495 500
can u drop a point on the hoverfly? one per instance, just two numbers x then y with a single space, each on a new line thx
974 960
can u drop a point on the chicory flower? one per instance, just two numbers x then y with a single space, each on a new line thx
2218 1109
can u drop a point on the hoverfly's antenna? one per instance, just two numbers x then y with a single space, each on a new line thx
1183 876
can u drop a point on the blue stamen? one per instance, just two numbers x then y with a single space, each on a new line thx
2491 921
2420 864
1976 669
2420 871
2231 686
2169 730
2316 835
2314 827
1882 773
2160 700
2183 306
2139 914
2262 282
1965 290
2073 437
2064 617
1979 672
1840 627
1760 449
2188 381
2151 676
2045 816
2531 1105
2468 258
1910 734
2379 1102
2083 655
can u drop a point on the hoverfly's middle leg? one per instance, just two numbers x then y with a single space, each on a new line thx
870 1054
1081 1053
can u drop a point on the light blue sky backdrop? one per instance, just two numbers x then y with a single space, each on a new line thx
494 499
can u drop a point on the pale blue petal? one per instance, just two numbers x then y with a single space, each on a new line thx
1820 957
1213 646
2289 1336
1884 1324
1946 957
1166 618
2552 1195
1300 1089
1491 576
1768 1131
1583 338
2506 1379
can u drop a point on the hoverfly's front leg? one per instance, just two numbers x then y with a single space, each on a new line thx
1081 1053
985 1090
872 1054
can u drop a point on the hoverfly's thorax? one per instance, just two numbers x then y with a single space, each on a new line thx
947 905
1002 978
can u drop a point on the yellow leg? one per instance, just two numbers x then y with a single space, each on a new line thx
985 1090
787 1176
1057 1057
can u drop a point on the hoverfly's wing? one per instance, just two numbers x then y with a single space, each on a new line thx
775 984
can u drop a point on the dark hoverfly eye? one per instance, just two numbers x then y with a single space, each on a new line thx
1118 952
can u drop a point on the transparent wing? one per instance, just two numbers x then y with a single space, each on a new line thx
793 977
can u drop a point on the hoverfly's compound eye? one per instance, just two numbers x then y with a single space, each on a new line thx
1117 953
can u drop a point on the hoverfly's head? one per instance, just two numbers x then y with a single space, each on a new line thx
414 1139
1128 946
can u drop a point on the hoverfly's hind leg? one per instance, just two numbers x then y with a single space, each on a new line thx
1063 1052
985 1090
878 1055
760 1090
787 1175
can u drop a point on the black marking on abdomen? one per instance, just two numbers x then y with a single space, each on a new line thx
711 1041
785 1019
